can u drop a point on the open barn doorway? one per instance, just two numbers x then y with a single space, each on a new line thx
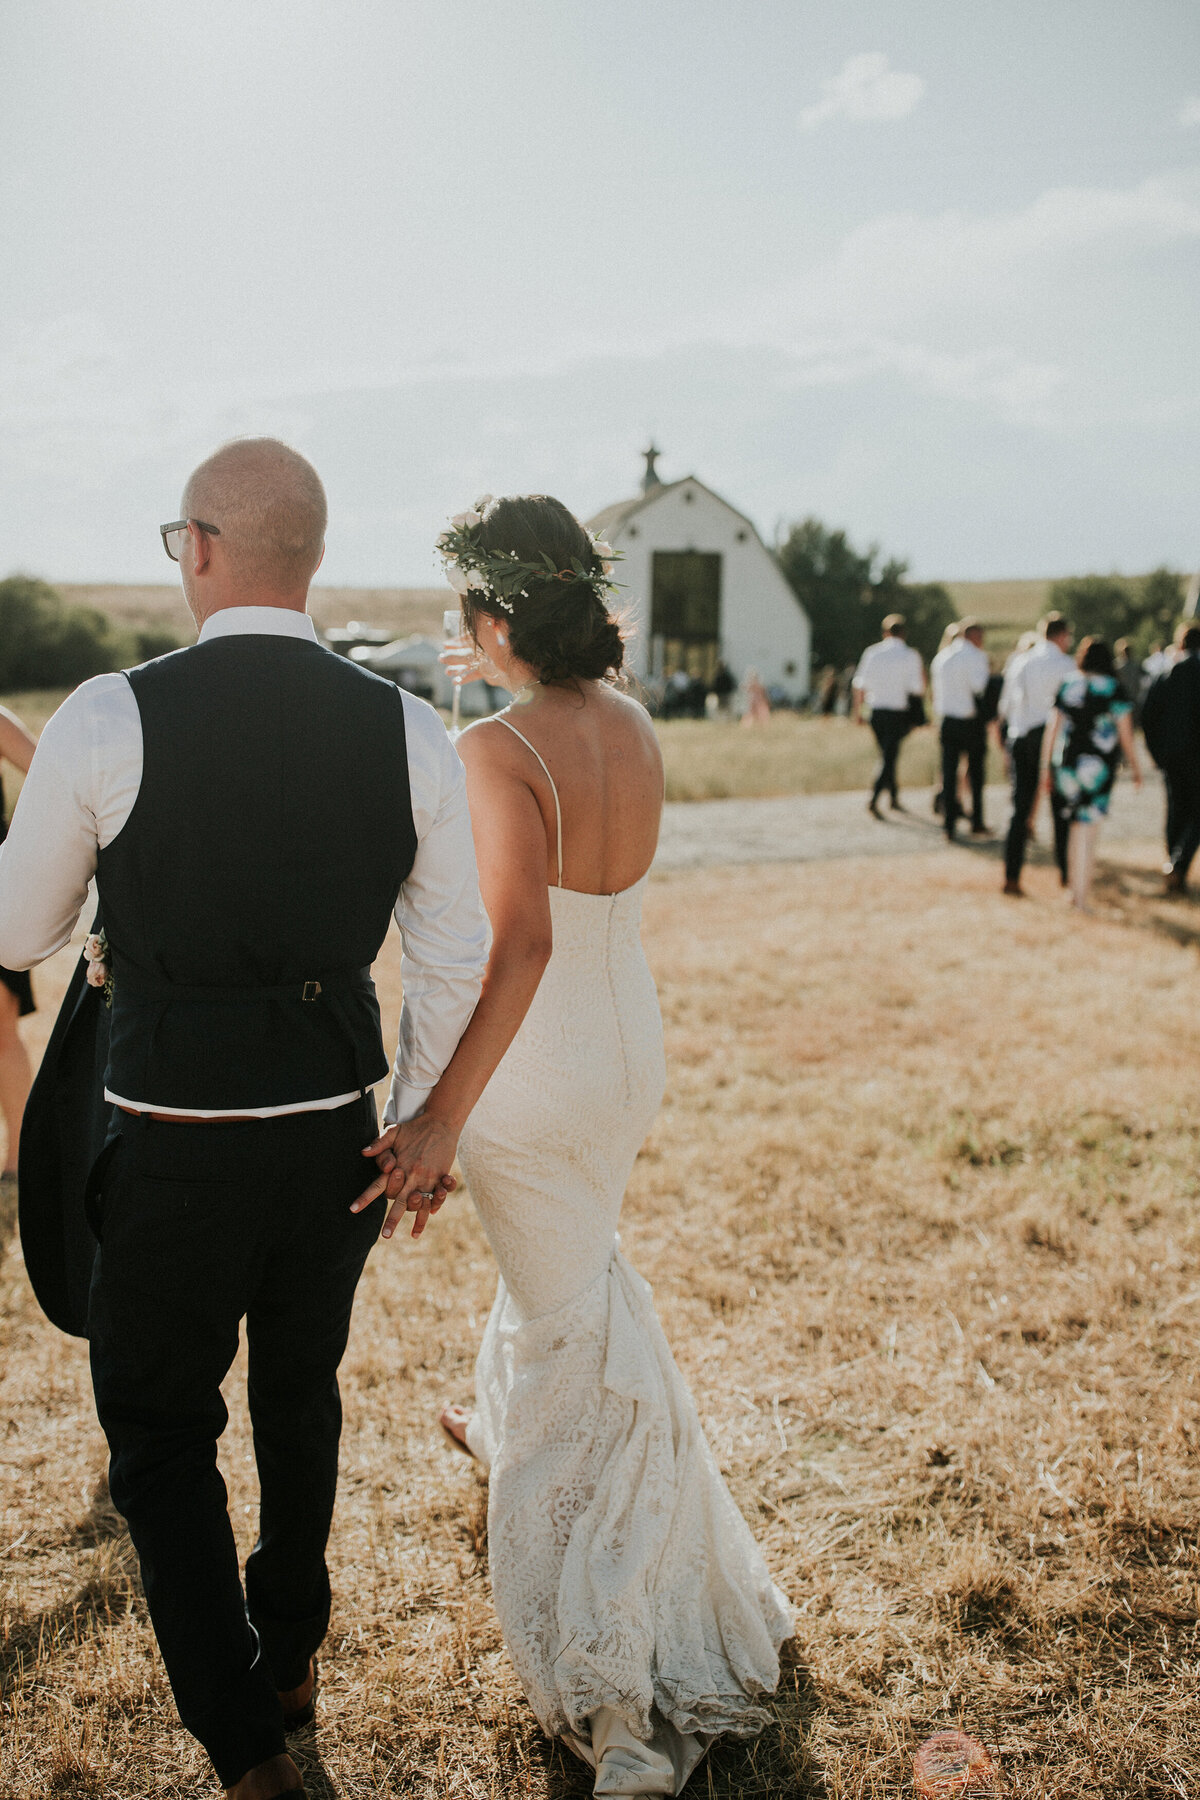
685 614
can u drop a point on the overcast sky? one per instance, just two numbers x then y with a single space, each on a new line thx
928 271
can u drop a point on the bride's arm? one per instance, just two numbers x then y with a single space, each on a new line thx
510 848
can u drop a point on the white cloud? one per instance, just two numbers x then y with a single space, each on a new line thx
1189 112
865 88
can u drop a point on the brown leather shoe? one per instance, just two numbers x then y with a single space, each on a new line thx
1015 889
300 1703
261 1783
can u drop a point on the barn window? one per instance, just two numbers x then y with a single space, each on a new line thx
685 613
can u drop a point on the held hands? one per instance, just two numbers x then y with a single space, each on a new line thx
414 1161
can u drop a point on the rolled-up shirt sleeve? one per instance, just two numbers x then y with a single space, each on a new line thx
443 928
80 786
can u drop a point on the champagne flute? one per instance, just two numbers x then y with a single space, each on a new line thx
452 631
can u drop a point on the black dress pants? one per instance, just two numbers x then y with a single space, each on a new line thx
1025 759
890 730
201 1226
1182 777
963 737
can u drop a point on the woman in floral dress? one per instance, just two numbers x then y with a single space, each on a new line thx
1089 731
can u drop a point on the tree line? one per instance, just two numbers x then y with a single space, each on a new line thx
847 594
45 643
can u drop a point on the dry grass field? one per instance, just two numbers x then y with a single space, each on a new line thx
719 759
712 759
921 1216
402 610
1016 605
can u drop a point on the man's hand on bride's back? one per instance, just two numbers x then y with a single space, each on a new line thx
414 1162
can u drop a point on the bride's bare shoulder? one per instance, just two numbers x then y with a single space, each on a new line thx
631 716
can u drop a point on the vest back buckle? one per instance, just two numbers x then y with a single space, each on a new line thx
310 990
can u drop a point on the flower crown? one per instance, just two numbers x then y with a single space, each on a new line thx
501 575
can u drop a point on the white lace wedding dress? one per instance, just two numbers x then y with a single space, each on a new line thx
633 1599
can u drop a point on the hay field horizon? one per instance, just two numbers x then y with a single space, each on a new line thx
920 1216
1009 604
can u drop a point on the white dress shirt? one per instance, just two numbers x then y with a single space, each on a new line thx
1031 684
887 673
960 674
80 789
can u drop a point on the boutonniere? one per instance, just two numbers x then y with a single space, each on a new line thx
99 967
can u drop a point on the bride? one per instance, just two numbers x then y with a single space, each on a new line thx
633 1600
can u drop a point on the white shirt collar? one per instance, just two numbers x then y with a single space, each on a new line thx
258 621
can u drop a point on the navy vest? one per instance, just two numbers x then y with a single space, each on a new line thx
250 889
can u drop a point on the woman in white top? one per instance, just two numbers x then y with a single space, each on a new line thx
634 1602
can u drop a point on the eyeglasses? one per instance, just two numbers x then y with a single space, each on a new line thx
173 534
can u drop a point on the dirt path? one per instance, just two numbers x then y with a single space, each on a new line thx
700 834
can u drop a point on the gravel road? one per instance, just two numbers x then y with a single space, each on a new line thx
701 834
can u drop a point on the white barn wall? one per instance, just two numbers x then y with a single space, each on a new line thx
763 625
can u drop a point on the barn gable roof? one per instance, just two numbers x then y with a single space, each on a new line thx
615 517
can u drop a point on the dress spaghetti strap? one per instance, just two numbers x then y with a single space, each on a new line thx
501 720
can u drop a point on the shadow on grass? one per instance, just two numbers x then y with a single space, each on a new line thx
305 1752
103 1596
8 1216
1136 896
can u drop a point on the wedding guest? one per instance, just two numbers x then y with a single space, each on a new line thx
1031 684
959 676
723 686
1171 722
1131 676
16 990
1092 726
889 676
949 636
758 706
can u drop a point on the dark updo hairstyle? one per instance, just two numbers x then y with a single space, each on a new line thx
1095 657
559 626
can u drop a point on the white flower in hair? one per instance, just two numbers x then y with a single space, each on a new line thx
484 500
457 578
601 548
476 579
464 520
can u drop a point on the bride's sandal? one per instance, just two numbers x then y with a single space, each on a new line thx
624 1763
454 1421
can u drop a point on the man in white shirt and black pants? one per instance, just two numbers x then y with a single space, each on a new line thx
959 675
889 677
1027 698
254 809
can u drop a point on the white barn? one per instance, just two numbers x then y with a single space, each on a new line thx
701 587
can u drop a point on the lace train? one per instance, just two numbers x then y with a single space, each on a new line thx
624 1575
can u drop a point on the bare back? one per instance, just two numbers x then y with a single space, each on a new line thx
601 755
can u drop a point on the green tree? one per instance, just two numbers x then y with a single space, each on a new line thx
1160 597
847 595
928 609
47 644
1115 606
1097 605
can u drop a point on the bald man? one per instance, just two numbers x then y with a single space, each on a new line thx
255 810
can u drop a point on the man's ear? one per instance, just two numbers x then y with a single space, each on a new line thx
320 558
201 550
